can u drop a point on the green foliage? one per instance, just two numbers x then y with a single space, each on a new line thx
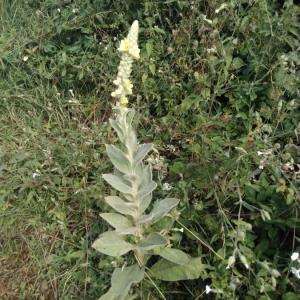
217 96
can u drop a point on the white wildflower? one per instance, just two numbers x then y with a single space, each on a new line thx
71 92
37 173
167 187
207 289
296 272
295 256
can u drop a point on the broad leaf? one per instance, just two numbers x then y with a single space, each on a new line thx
147 190
129 117
117 183
146 178
132 178
116 126
112 246
169 271
175 255
118 158
122 279
110 295
131 142
162 208
144 203
121 206
130 230
143 151
116 220
153 240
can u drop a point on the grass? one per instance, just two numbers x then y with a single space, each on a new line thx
52 144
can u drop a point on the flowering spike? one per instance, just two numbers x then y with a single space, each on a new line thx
130 51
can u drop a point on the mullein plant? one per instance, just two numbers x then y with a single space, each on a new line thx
136 227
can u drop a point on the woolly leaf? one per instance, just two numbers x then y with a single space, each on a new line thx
118 184
118 158
170 271
112 246
122 279
116 220
153 240
174 255
121 206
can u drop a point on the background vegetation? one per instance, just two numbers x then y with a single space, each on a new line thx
216 91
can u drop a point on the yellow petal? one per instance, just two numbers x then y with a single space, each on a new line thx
124 46
124 100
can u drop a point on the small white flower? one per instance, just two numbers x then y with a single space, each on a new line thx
181 229
74 101
261 167
296 272
36 174
207 289
295 256
167 187
71 92
259 153
58 10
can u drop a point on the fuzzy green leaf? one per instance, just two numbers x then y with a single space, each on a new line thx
169 271
118 158
112 246
131 142
143 151
175 255
122 279
116 126
147 189
121 206
117 183
116 220
153 240
145 202
162 208
110 295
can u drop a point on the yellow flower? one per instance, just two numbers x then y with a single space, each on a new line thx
124 100
128 87
124 46
134 52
